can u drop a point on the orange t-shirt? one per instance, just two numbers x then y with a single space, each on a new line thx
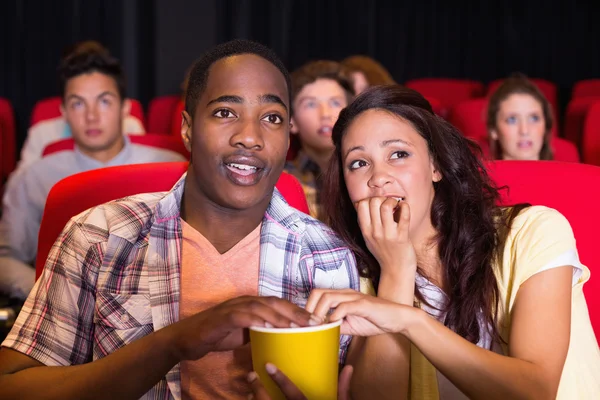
207 279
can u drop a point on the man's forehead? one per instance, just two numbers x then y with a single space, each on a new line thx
91 84
247 75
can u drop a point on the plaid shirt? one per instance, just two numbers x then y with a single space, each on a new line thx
113 277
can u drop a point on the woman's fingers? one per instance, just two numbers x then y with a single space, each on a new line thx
364 216
403 222
386 214
331 299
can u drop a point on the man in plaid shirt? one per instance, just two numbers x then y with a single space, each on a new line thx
105 319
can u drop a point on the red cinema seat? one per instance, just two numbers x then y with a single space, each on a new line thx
160 114
448 91
586 88
591 137
536 182
577 110
8 139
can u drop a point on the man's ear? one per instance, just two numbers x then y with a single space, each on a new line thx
125 108
186 130
63 110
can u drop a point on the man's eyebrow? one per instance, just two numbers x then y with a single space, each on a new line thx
226 99
272 98
78 97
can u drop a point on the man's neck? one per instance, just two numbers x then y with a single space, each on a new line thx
320 157
105 155
222 227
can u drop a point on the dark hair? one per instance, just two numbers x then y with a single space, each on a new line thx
85 58
518 83
322 69
374 72
198 75
464 211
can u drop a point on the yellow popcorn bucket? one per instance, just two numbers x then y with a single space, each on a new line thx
308 356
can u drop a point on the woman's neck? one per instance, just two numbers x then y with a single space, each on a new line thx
428 258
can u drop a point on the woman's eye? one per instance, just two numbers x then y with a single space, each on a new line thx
273 119
357 164
535 118
399 154
224 114
511 120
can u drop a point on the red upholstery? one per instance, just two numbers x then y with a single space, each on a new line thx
575 118
160 114
589 87
152 140
470 118
564 150
8 139
79 192
176 119
548 88
569 188
591 136
436 105
50 108
448 91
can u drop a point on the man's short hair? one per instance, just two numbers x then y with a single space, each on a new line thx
85 58
199 72
322 69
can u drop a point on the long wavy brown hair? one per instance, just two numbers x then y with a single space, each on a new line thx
464 211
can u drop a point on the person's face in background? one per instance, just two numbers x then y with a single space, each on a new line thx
359 80
520 127
316 109
95 111
384 156
239 133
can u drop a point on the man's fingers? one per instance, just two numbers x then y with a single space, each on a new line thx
290 390
258 390
344 383
280 313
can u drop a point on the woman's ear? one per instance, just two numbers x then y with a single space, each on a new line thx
493 134
293 127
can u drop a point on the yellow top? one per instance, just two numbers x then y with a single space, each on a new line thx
538 237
